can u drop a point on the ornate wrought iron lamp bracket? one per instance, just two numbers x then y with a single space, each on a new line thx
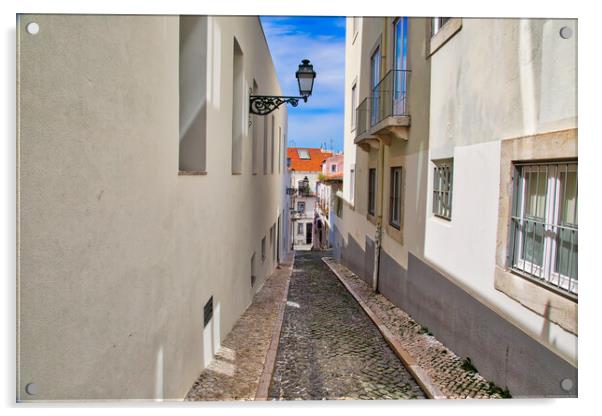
265 104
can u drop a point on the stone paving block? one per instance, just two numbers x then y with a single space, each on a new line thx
329 348
440 363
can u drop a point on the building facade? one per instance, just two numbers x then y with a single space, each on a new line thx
461 186
330 182
305 166
150 201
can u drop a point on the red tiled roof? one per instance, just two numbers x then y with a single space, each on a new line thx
313 164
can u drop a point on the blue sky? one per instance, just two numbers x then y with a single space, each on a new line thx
321 40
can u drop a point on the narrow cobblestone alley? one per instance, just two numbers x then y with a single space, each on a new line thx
329 348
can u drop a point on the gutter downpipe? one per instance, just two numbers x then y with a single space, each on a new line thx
379 213
380 177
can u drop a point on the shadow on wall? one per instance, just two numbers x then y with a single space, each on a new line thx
212 336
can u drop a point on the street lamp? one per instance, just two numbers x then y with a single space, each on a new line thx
265 104
305 77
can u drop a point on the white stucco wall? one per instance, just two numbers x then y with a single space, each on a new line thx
495 79
118 253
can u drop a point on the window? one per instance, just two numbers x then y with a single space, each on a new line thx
437 23
301 206
333 168
266 126
255 134
272 240
353 106
237 107
371 191
303 154
374 81
299 228
193 94
395 198
400 62
280 146
339 208
272 145
253 270
442 188
263 249
543 226
352 185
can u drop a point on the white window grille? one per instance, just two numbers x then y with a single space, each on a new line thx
443 176
544 224
395 198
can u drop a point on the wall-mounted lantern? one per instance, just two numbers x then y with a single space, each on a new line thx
265 104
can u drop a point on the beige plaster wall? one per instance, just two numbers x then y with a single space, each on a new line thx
117 252
411 154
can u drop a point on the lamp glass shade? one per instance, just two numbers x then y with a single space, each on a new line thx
305 76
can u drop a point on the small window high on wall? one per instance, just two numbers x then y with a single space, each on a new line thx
193 94
237 107
255 135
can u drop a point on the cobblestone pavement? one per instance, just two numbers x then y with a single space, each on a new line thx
329 348
454 377
236 369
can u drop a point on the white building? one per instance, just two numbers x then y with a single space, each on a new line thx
305 165
150 202
329 204
461 186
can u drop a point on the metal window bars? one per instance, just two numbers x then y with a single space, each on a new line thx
388 98
362 114
543 234
442 188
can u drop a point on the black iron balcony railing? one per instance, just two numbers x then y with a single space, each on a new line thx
389 97
362 114
305 192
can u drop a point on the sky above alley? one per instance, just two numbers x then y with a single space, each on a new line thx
322 41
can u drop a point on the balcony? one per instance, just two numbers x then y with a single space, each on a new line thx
305 192
384 114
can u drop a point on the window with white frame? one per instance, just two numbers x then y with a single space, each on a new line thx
333 168
544 225
301 206
443 176
299 228
395 198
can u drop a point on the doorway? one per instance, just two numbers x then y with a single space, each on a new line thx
308 230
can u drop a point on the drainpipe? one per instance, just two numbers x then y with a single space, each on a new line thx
380 174
379 213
